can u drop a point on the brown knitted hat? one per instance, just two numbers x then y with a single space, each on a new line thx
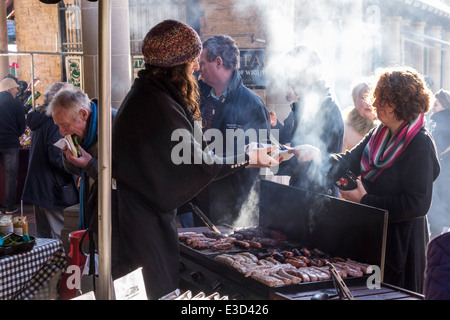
171 43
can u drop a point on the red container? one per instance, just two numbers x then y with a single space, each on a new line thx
75 257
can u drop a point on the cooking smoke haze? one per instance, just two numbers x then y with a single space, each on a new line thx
336 30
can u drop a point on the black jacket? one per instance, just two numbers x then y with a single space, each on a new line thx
437 272
405 191
240 111
12 121
151 125
47 184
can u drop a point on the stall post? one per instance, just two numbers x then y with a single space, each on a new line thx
104 136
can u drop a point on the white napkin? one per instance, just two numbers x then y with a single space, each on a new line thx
61 143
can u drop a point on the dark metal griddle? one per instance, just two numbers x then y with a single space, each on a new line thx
338 227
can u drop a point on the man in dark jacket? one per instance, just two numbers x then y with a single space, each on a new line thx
48 186
77 115
12 126
230 107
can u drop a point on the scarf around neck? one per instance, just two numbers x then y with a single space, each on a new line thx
384 148
88 141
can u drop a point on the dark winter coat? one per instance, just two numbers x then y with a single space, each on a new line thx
47 184
405 191
12 121
322 127
240 109
439 215
150 183
437 273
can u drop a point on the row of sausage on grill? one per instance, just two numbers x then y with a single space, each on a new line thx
277 259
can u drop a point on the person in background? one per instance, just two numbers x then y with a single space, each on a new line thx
76 115
437 271
153 158
48 186
360 118
398 163
284 135
12 126
22 87
439 214
228 105
317 118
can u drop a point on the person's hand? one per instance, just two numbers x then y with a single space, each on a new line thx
81 161
261 158
273 118
354 195
307 152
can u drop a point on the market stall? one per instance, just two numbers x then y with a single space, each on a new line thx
302 241
28 274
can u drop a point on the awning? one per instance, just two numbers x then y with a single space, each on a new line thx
433 6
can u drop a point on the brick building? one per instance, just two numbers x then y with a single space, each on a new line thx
353 37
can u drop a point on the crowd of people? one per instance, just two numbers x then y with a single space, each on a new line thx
399 153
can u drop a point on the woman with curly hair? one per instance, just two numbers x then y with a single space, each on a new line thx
152 176
398 163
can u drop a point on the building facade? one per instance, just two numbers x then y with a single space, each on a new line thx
353 38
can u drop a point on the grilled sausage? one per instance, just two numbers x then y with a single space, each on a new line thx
242 244
221 246
295 262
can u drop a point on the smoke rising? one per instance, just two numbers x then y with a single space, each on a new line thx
249 213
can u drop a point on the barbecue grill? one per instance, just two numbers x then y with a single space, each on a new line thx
338 227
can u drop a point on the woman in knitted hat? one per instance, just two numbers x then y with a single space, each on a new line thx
439 215
153 175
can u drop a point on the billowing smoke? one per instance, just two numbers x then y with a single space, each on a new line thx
339 31
335 30
249 213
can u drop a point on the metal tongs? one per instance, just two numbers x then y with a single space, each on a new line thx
204 218
339 284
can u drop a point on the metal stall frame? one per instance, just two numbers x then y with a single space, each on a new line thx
104 144
32 54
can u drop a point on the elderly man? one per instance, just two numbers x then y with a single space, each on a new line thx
76 115
12 126
229 106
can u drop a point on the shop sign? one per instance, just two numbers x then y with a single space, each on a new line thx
138 64
252 68
74 70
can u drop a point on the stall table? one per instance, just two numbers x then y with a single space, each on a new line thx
23 275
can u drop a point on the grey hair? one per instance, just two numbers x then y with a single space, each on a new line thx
72 100
53 89
225 47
